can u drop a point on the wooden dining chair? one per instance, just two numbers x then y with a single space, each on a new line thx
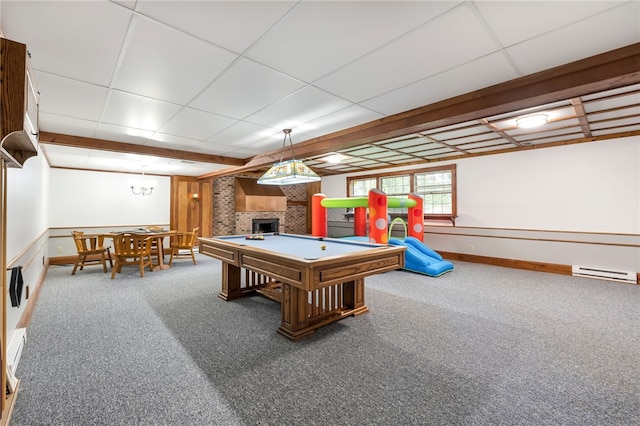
91 251
183 241
131 249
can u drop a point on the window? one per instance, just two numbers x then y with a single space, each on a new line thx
396 186
436 190
436 186
361 187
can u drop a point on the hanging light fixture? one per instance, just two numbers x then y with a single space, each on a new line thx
142 186
288 172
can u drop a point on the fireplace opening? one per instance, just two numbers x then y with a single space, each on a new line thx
264 225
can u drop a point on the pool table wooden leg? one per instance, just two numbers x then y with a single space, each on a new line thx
230 282
353 296
295 322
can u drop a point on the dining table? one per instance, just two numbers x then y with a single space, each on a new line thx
157 236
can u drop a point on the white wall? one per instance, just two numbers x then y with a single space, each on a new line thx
593 187
82 198
93 201
574 204
27 227
27 198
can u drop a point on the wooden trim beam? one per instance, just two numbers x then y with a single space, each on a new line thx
105 145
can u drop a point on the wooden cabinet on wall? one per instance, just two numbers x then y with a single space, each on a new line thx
18 105
191 205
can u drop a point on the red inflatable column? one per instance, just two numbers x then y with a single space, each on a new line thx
415 218
318 216
378 219
360 221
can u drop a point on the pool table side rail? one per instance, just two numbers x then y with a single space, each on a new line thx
304 273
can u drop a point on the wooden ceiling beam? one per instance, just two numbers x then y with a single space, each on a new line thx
610 70
105 145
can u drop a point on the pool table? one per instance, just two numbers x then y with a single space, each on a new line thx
316 280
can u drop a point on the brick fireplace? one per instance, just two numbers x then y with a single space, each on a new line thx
227 220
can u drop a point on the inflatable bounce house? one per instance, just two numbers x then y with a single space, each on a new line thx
418 257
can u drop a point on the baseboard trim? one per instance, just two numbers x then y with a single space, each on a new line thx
62 260
553 268
10 402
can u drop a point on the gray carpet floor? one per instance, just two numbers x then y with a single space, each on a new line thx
481 345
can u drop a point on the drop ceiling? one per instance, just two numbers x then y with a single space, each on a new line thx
205 87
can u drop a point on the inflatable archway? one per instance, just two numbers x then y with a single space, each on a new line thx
377 203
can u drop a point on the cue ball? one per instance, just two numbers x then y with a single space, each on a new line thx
323 247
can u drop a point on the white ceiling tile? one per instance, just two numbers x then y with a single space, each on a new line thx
635 128
470 146
147 164
130 4
366 150
123 134
418 148
66 125
65 158
70 97
477 74
613 103
194 168
404 143
318 37
459 133
345 118
460 36
475 138
599 125
230 151
246 88
515 21
274 142
579 40
626 90
88 47
164 140
242 135
191 123
166 64
235 25
138 112
306 104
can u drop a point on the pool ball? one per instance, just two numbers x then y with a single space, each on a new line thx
323 247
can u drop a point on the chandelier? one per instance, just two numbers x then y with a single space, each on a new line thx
142 186
288 172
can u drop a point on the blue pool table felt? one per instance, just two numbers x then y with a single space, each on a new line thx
302 246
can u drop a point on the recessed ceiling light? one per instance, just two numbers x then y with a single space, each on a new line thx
334 158
530 121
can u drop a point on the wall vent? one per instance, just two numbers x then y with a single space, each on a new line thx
604 274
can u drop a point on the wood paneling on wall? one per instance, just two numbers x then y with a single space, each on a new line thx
188 213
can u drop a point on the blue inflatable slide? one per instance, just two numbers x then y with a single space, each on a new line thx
420 258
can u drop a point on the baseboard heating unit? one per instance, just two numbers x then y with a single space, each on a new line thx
604 274
14 350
